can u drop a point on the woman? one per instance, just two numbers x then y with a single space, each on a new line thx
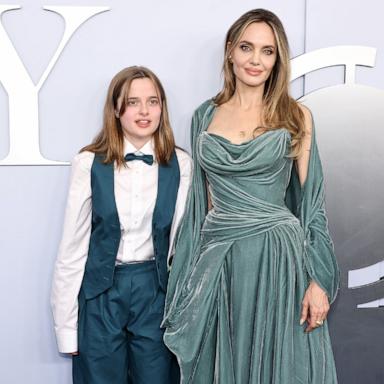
254 270
127 195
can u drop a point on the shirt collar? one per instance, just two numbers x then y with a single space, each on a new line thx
147 149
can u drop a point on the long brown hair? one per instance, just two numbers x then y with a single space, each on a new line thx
110 140
280 109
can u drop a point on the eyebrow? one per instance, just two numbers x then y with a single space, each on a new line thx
249 43
138 98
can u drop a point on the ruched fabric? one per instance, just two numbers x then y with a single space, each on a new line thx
240 271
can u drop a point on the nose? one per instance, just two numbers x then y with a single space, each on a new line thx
255 59
143 109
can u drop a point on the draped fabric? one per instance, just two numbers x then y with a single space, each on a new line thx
240 271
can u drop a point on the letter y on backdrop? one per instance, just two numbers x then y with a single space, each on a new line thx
24 147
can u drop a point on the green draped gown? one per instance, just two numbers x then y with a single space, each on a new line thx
240 271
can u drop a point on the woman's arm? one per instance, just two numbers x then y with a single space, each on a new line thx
315 304
302 161
72 255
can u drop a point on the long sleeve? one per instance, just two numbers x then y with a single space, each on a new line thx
72 255
308 204
185 164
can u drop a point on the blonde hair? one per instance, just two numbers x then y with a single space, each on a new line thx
280 109
110 140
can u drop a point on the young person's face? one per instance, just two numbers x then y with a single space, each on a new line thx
142 114
254 56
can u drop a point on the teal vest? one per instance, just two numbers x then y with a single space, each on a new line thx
106 233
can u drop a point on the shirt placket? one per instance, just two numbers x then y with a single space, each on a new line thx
133 212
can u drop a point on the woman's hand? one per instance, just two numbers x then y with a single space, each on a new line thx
315 307
74 353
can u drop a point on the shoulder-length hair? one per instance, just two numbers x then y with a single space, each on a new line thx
110 140
280 110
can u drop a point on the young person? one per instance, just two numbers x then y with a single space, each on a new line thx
254 270
126 198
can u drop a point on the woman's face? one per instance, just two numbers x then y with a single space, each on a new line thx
141 117
254 56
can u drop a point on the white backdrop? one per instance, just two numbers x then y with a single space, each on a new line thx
183 43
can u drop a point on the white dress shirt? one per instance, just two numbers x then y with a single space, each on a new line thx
135 195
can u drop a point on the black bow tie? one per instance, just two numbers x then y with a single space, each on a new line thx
148 159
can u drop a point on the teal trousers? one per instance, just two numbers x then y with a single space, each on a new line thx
120 339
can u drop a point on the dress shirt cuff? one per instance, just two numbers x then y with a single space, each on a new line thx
67 341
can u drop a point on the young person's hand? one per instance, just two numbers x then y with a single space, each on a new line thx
74 353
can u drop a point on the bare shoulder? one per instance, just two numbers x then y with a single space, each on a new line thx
307 118
221 117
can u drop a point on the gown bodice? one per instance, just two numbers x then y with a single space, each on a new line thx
260 167
247 183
